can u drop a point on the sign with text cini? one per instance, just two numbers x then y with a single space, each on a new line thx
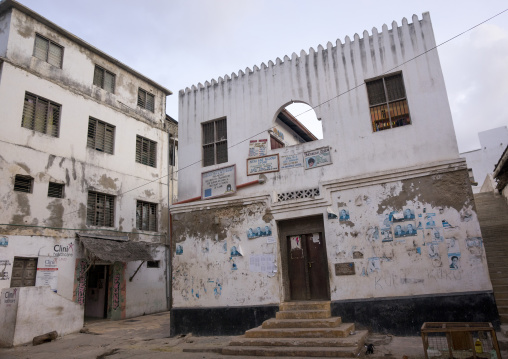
220 182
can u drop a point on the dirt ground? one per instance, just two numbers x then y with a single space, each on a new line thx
147 337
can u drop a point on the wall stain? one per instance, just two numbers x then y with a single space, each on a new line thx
51 158
24 166
56 210
23 209
108 182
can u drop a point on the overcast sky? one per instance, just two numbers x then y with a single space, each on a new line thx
179 43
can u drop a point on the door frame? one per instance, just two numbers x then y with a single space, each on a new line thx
293 227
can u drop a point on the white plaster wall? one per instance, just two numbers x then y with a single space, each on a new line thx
147 292
41 311
78 67
5 21
255 96
482 161
8 311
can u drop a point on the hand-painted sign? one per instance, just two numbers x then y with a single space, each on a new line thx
263 164
220 182
291 161
318 157
47 272
257 148
344 268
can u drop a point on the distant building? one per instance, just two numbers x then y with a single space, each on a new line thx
83 182
482 161
363 218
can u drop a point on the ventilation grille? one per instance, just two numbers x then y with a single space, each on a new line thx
292 195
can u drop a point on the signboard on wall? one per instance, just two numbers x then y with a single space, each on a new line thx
47 272
220 182
291 161
257 148
316 158
263 164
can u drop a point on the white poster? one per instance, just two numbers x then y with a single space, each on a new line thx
262 165
257 148
316 158
291 161
47 272
262 263
218 183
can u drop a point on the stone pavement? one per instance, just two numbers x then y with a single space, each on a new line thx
147 337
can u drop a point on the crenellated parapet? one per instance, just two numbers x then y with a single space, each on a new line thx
383 51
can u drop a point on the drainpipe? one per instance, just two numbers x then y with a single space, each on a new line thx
168 243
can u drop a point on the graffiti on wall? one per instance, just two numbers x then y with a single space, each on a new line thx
80 282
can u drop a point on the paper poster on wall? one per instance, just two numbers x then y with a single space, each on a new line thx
263 164
4 241
257 148
47 272
220 182
262 263
318 157
291 161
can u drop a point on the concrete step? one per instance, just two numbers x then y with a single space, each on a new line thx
302 323
304 314
356 339
306 305
341 331
337 352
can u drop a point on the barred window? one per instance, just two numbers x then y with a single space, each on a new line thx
146 100
48 51
146 216
55 190
41 115
101 135
100 210
104 79
146 151
388 102
23 183
215 142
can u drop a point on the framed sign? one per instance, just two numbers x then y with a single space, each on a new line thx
291 161
257 148
316 158
263 164
220 182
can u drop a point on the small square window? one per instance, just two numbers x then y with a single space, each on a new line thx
48 51
23 183
146 151
153 264
55 190
104 79
388 102
146 216
146 100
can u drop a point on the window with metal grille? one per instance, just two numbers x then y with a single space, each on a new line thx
146 100
23 183
55 190
101 135
388 102
153 264
146 151
48 51
146 216
215 142
41 115
104 79
100 210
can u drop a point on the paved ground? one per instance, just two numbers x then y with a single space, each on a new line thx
146 337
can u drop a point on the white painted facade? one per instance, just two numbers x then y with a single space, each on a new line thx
34 224
483 160
373 174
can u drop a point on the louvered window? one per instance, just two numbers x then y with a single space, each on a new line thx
215 142
55 190
104 79
101 135
388 102
41 115
48 51
146 151
146 216
146 100
100 210
23 183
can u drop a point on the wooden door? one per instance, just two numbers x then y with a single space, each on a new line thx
307 267
24 271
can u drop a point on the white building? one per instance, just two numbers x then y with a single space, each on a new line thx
84 182
481 162
377 217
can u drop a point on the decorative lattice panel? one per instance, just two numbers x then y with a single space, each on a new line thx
304 193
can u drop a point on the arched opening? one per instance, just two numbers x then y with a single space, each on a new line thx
296 123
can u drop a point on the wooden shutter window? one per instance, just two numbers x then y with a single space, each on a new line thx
41 115
146 151
48 51
100 211
41 47
146 216
100 136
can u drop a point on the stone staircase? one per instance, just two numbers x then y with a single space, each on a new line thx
492 211
304 329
